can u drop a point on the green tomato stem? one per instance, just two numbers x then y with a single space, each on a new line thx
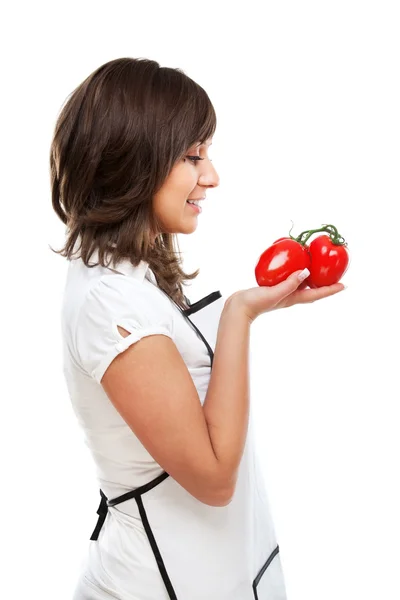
331 230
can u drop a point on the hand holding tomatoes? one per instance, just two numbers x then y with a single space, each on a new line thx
279 266
255 301
327 258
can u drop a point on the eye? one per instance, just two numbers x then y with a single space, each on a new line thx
194 159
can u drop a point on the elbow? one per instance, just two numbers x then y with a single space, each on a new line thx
221 497
223 501
225 492
217 490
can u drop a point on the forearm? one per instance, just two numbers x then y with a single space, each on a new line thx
226 407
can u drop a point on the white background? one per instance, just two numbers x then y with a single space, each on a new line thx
307 99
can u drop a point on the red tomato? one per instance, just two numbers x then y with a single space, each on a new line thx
281 259
329 262
305 247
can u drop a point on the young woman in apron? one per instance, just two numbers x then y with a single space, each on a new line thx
154 540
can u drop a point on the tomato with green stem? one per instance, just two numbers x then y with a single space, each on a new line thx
326 257
329 261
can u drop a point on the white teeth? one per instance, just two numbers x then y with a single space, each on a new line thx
193 202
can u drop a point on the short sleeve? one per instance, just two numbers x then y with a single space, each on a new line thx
118 300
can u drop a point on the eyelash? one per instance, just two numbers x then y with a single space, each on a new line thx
194 159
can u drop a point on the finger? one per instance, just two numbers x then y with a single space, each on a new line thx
277 293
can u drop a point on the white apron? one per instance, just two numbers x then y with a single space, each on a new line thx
201 552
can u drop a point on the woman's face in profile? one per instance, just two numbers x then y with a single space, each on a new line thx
190 178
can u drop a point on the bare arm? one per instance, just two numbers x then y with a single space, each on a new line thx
226 407
151 387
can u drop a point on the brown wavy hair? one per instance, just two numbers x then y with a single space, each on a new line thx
116 140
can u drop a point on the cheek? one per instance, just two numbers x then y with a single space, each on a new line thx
186 178
181 182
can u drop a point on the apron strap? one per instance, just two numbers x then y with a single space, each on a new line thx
102 512
105 503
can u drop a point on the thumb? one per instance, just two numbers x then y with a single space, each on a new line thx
289 285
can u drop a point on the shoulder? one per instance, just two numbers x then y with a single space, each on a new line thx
116 292
115 300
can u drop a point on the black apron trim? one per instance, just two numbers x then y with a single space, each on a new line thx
156 551
102 512
262 571
202 303
199 305
139 491
105 503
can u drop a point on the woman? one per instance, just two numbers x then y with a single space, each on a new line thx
159 385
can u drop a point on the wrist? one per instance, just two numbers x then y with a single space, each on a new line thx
235 307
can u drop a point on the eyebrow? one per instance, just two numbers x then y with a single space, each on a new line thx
210 144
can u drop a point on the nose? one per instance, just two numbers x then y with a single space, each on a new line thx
209 176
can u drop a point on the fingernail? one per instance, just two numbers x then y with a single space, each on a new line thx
304 274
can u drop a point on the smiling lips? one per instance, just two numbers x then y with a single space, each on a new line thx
195 201
195 206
